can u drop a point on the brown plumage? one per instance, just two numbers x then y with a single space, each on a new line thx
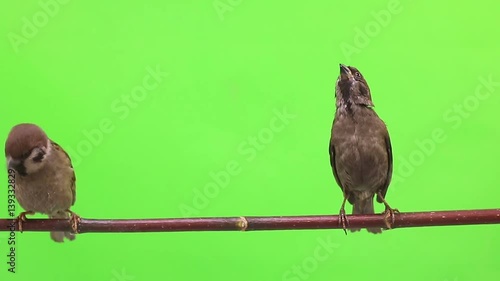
45 179
360 148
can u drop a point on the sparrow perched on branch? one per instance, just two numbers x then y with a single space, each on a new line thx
360 148
44 178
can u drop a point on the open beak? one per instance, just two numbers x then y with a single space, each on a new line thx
345 72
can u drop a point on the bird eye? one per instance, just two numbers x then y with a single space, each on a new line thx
357 74
39 157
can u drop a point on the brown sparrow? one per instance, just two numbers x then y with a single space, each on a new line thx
45 180
360 148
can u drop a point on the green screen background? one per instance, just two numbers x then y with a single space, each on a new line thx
225 71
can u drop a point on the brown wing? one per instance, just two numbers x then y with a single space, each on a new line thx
73 179
389 168
332 163
335 173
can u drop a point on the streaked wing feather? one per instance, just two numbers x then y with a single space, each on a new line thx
389 168
73 179
332 163
335 173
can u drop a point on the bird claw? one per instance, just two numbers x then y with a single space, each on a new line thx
389 213
343 220
74 220
22 218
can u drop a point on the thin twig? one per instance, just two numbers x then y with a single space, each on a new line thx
441 218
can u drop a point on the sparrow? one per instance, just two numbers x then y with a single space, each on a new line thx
44 176
360 148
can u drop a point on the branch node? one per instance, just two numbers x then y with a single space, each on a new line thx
242 224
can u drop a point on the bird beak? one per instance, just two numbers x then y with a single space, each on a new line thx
345 72
8 162
12 164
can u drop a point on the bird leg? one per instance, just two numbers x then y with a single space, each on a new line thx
342 216
388 213
22 218
74 219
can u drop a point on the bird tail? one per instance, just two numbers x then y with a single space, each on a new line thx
58 236
364 207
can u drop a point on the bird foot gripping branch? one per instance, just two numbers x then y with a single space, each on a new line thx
22 218
343 220
75 221
389 212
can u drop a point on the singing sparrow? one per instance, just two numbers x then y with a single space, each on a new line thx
360 148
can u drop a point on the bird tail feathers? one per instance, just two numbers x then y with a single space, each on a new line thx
364 207
58 236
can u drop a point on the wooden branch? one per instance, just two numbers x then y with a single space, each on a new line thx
441 218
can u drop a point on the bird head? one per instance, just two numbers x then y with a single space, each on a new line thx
351 87
26 149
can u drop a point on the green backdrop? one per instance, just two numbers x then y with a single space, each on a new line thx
156 100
